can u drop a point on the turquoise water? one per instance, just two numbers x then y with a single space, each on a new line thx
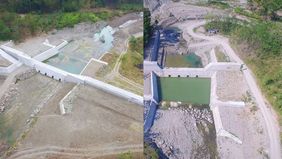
107 34
194 60
75 56
71 65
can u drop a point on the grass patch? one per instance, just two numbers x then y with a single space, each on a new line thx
124 85
214 4
220 56
132 61
218 4
131 7
249 14
6 132
111 59
126 155
149 152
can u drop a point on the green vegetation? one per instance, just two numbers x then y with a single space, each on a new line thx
225 26
247 13
132 61
219 4
147 25
131 7
149 152
49 6
187 90
259 44
6 132
266 8
220 56
17 27
21 19
126 155
111 59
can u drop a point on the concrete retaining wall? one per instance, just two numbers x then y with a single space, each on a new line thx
191 72
150 66
155 49
114 90
62 75
149 120
154 87
15 64
51 52
49 71
7 70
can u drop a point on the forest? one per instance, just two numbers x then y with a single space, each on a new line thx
20 19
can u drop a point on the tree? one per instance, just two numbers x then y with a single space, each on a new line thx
267 8
5 32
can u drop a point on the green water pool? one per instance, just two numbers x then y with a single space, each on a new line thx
187 90
188 60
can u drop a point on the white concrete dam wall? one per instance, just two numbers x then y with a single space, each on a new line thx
114 90
191 72
62 75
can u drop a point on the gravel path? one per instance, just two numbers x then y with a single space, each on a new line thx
270 121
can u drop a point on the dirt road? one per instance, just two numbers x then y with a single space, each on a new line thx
270 121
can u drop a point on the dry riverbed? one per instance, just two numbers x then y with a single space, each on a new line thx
186 131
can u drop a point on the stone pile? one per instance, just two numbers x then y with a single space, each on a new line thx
198 113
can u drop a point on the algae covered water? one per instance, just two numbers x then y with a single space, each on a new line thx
188 60
187 90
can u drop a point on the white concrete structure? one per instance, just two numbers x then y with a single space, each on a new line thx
64 76
54 50
15 64
214 105
154 88
205 72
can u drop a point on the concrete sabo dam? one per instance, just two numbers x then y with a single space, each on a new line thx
18 58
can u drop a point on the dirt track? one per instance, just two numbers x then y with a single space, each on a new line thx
270 121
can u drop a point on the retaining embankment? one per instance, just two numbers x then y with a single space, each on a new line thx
190 72
149 120
62 75
50 52
15 64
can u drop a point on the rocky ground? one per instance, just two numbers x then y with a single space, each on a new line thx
231 86
247 124
31 119
185 132
94 124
